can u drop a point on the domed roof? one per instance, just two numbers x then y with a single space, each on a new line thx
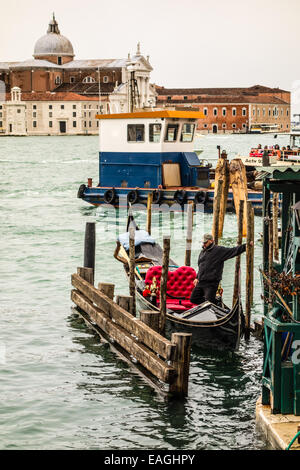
53 43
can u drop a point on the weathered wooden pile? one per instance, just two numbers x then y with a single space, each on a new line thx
234 174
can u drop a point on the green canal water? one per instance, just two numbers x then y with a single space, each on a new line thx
61 388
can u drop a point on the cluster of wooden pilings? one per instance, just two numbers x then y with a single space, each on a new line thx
234 174
137 341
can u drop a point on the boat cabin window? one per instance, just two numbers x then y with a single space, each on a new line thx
187 133
135 133
154 132
171 133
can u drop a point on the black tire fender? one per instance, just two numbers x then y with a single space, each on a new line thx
110 196
157 196
201 197
81 190
180 196
133 196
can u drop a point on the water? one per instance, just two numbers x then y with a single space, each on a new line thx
61 388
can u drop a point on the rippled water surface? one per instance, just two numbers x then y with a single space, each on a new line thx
62 388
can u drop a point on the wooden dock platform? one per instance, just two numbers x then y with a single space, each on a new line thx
278 429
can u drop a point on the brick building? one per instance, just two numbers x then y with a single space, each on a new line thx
230 110
54 76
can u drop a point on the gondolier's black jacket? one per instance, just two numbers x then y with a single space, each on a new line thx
211 261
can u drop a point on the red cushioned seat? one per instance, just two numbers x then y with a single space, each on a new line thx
179 284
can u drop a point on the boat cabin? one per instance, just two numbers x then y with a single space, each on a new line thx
153 149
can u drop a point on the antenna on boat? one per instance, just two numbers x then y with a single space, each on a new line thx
100 109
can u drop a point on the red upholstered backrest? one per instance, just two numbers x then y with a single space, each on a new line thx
180 281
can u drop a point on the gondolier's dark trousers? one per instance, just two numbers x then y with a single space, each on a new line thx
204 291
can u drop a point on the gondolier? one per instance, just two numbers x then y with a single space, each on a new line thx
210 269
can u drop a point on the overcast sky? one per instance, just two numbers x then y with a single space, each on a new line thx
191 43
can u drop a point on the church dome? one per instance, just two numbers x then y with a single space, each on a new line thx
53 43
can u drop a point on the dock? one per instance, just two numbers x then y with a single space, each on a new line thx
278 409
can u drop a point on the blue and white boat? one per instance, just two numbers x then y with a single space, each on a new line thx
150 151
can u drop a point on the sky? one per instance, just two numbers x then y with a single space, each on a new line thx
191 43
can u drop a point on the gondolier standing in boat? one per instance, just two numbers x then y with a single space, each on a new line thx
210 268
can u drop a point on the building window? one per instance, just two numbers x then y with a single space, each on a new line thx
34 123
59 60
169 98
72 79
224 126
258 112
287 113
233 126
18 111
234 111
205 126
50 106
253 111
244 112
223 111
244 125
34 106
0 123
269 112
281 111
57 80
74 114
215 111
185 97
34 114
88 80
105 79
135 133
264 111
0 114
74 106
84 123
74 124
50 114
62 106
90 124
0 106
50 124
205 111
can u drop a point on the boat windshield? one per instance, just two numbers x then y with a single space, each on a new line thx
295 141
187 133
154 132
135 133
171 134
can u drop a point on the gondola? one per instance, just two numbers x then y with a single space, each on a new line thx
213 326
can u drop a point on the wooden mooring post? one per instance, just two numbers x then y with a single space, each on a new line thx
90 247
249 266
216 211
189 233
181 363
275 225
238 181
222 173
236 292
132 268
163 283
149 212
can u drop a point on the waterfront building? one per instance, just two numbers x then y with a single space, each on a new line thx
53 86
229 110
